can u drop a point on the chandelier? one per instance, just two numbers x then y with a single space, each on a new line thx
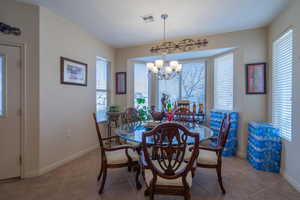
161 69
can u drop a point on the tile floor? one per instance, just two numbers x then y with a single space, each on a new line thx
77 181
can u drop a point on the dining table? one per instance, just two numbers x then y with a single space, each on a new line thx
133 133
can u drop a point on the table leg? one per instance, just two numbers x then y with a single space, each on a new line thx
138 172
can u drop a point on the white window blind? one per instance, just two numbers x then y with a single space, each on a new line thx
102 87
282 84
223 82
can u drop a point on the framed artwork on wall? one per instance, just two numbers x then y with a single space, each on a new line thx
73 72
256 78
121 83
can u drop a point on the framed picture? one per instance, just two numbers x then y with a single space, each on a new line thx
121 83
73 72
256 78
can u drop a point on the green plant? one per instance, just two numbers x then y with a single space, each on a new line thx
114 108
142 109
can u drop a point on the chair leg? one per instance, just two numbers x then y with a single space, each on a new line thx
103 180
193 171
219 173
187 196
150 192
147 192
100 174
151 195
138 171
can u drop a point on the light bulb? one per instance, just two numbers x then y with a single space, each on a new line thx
150 66
168 69
174 64
178 68
155 70
159 63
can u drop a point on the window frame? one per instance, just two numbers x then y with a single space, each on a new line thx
205 61
233 79
277 39
107 90
4 88
149 78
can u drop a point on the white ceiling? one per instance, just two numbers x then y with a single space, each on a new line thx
186 55
118 22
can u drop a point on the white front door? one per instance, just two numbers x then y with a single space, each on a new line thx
10 112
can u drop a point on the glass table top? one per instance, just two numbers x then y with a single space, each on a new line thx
134 133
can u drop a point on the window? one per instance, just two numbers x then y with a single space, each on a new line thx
223 82
102 71
190 85
282 84
140 83
2 86
169 87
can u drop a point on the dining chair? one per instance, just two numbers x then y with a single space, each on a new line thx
183 114
164 169
210 151
114 156
131 118
131 115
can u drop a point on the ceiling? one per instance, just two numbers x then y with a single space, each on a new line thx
186 55
118 22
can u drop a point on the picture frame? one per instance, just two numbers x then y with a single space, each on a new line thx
73 72
121 87
256 78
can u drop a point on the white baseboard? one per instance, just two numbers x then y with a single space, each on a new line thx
30 174
292 181
57 164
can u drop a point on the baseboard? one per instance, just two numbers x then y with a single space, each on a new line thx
57 164
30 174
292 181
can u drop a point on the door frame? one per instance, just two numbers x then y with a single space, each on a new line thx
22 48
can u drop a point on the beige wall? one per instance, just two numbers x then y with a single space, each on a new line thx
251 47
66 126
290 18
25 17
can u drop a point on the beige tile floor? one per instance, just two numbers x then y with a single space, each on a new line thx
77 181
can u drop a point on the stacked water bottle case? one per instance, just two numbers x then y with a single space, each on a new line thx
216 117
264 147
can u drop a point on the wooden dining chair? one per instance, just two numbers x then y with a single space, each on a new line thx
131 115
210 154
183 114
164 169
131 118
114 156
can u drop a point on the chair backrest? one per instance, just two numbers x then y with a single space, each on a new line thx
184 114
166 158
224 131
157 116
130 115
183 104
98 131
